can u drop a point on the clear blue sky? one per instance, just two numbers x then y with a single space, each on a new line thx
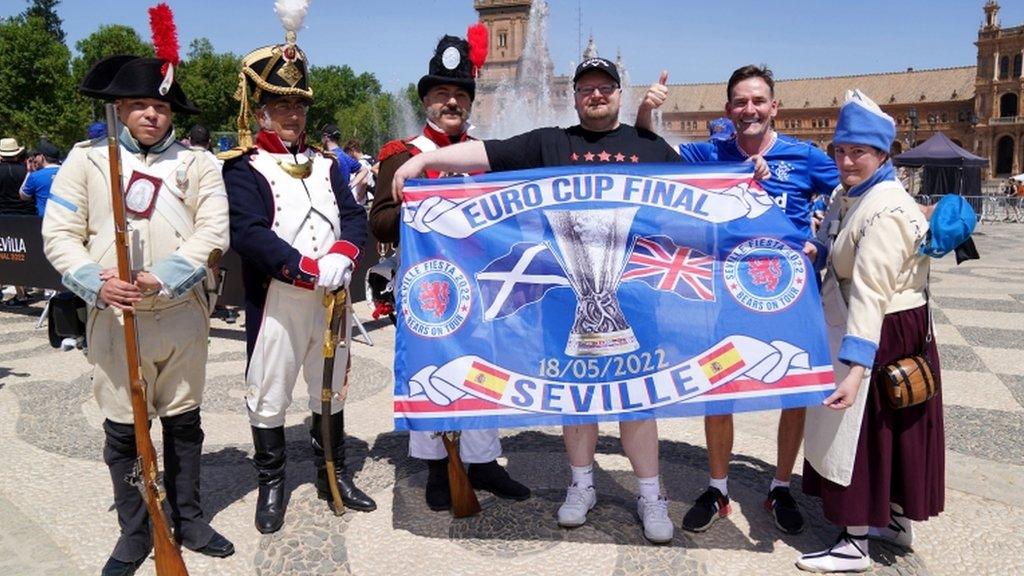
695 41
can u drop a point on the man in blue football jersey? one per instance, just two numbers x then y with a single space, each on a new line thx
799 171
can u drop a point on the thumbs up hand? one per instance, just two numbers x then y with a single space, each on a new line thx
655 96
657 92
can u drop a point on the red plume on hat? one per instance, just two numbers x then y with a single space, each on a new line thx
476 35
165 41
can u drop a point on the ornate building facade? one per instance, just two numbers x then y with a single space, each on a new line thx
997 92
506 22
978 107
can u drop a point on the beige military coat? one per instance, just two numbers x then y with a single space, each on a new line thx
188 222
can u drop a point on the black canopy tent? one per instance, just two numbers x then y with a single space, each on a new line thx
948 168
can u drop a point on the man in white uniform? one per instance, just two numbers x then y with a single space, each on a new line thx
298 231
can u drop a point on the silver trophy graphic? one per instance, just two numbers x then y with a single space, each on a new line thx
592 244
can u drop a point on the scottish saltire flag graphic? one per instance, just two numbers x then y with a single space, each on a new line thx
518 278
586 294
661 264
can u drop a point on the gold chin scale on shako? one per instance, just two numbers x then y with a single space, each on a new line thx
275 70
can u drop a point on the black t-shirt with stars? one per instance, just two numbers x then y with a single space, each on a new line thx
564 146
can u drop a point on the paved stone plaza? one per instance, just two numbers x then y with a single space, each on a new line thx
56 504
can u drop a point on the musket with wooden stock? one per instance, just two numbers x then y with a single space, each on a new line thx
464 501
168 556
336 320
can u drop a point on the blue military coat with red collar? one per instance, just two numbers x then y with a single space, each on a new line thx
254 209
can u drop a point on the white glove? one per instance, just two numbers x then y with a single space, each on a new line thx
335 270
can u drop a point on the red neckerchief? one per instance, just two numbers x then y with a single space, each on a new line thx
269 140
441 139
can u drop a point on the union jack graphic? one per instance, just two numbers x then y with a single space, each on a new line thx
659 262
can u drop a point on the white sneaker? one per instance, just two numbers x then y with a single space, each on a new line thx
654 518
578 501
900 531
848 554
68 344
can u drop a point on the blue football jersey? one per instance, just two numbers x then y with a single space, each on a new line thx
799 171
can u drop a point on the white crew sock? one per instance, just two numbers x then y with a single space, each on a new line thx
722 484
583 476
860 537
776 483
650 488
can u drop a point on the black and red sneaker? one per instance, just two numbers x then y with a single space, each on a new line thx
781 505
709 507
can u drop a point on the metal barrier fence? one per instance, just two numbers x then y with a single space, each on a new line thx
1000 209
989 208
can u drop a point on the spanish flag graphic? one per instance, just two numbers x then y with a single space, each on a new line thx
721 362
486 380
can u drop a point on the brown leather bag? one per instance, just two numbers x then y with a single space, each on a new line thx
909 381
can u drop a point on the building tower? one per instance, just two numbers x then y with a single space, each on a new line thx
991 14
506 22
998 89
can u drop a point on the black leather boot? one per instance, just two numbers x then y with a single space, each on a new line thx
492 477
183 450
351 496
438 493
269 461
136 540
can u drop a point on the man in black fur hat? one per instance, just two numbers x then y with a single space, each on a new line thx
299 232
177 218
447 92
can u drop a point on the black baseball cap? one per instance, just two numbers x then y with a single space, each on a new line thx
599 64
332 132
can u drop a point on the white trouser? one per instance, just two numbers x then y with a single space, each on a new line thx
291 337
475 446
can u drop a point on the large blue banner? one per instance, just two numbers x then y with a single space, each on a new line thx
583 294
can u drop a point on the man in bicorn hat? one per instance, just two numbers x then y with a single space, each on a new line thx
447 92
298 231
177 216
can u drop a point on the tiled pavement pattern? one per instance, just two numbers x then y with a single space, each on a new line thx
55 498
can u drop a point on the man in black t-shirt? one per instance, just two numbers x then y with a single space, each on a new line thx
599 138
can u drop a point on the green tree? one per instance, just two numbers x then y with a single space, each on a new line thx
210 80
371 121
37 95
47 10
336 88
107 40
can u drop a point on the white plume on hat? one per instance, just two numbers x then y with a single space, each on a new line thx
292 13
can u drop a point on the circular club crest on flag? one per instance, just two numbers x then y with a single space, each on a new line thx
436 298
765 275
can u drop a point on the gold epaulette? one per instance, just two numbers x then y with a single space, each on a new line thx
233 153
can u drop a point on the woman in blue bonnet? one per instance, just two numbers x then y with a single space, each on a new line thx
876 468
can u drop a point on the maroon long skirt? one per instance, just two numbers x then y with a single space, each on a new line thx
900 453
